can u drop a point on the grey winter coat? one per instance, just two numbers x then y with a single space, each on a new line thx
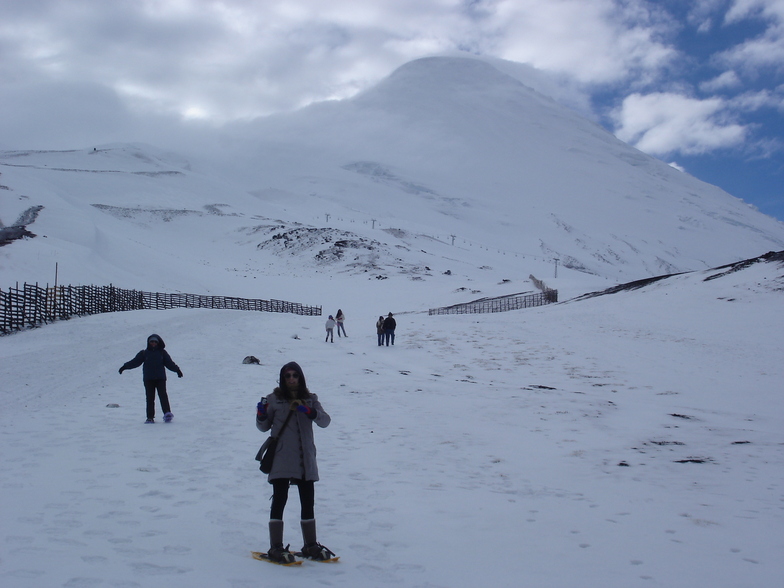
295 455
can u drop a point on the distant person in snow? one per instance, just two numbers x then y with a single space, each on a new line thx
380 330
290 412
330 326
155 361
339 318
389 329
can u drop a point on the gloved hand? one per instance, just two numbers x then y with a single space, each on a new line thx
310 412
179 373
261 409
122 369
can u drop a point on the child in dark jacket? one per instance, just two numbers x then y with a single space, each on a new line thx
155 360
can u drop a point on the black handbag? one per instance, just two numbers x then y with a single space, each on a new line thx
266 453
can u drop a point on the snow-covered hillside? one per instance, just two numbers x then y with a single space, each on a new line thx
140 218
627 440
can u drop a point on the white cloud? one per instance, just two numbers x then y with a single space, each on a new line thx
767 50
703 14
212 62
726 81
236 59
741 9
751 101
595 42
664 123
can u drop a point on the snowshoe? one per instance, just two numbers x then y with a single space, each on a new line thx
317 552
261 556
149 421
168 417
281 555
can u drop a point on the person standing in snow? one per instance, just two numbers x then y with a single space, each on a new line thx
339 318
380 330
389 329
290 412
330 326
155 361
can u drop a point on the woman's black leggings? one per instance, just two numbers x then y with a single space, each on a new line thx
280 495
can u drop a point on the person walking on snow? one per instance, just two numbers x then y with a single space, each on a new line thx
339 318
290 412
155 361
389 329
380 330
330 326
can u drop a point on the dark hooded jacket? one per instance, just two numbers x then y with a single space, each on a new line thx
155 361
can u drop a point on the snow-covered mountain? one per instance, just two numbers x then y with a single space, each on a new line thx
447 166
623 440
456 144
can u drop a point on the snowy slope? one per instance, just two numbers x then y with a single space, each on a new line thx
141 218
632 439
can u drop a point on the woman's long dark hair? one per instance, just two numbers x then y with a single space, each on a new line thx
282 389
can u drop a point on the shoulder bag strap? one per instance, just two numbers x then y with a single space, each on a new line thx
285 422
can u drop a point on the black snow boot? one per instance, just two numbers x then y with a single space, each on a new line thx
312 548
277 552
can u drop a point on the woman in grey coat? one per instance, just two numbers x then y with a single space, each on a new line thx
295 458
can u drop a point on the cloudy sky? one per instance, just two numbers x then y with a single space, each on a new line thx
697 83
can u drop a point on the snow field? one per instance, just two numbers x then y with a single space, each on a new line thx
478 447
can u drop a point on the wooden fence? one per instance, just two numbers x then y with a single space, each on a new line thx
32 305
500 303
